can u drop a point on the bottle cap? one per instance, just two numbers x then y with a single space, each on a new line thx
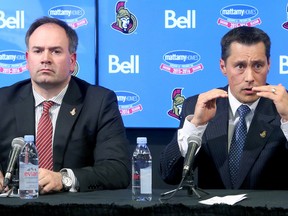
29 138
141 139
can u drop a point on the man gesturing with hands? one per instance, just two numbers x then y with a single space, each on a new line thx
247 115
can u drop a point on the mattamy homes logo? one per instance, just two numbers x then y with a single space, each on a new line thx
73 15
12 62
128 102
181 62
238 15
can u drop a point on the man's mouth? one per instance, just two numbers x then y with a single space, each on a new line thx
45 70
248 91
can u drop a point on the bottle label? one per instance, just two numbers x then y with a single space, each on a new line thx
146 180
28 176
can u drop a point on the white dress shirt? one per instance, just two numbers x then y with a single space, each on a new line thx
189 129
54 110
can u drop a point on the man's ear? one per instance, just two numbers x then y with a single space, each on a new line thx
223 67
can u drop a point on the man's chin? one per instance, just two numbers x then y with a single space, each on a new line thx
44 82
250 98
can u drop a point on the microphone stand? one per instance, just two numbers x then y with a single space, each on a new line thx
15 182
187 183
13 185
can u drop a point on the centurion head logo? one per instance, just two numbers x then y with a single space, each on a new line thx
125 22
285 24
177 102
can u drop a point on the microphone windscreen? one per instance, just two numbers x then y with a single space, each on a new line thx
18 142
194 139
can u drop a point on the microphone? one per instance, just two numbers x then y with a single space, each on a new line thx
194 143
17 144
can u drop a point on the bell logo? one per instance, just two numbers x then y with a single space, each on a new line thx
181 22
126 67
16 22
283 64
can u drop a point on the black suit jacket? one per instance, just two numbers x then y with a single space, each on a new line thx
264 160
92 142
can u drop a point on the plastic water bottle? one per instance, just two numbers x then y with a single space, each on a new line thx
28 169
142 171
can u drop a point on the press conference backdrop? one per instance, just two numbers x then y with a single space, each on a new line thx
16 17
152 53
155 53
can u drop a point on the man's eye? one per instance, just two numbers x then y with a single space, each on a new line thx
258 66
56 51
240 66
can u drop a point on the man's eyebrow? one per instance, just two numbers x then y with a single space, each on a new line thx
36 47
50 48
258 61
240 62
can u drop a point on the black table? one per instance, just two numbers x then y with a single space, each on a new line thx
118 202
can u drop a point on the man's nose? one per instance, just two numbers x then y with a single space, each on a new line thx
249 75
46 58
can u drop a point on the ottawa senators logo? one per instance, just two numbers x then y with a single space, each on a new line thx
125 22
177 102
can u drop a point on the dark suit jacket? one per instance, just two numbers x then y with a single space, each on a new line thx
92 142
264 160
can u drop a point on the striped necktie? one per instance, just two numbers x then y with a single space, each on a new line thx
44 138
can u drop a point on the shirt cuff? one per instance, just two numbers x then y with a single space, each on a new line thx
188 130
75 184
284 127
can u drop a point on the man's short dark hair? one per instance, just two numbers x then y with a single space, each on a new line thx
244 35
70 32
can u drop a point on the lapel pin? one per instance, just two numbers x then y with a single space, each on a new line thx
73 111
263 134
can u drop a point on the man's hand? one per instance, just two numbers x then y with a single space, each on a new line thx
205 108
49 181
278 95
1 181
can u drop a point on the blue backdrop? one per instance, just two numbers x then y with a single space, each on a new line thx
171 49
152 53
16 17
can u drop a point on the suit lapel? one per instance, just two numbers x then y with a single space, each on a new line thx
258 134
24 111
70 109
216 133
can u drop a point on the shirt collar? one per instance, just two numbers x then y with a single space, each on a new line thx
234 103
57 99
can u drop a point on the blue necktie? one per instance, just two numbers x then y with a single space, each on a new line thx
237 143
